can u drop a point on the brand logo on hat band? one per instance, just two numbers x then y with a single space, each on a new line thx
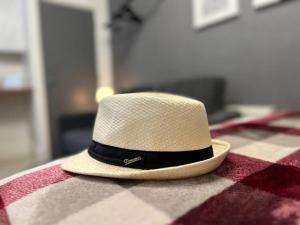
140 159
129 161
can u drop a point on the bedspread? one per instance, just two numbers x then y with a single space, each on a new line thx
258 183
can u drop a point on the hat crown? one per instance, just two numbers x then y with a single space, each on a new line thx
152 122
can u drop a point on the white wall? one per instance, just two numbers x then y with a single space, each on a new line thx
12 36
15 128
15 108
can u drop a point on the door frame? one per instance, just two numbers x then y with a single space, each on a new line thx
103 62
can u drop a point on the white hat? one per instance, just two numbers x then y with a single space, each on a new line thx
149 136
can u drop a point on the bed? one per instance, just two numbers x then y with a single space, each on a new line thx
258 183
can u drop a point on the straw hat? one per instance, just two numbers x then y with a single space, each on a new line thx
149 136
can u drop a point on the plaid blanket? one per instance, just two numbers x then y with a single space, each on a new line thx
258 183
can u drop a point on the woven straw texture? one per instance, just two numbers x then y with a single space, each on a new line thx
152 122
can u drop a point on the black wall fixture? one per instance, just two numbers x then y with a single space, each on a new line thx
127 13
131 12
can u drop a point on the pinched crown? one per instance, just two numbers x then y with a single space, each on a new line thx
152 122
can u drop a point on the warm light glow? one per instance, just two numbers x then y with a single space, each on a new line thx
103 92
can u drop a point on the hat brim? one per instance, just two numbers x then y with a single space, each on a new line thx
82 163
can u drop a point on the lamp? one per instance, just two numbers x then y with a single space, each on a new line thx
103 92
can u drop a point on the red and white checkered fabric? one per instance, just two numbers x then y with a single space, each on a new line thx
258 183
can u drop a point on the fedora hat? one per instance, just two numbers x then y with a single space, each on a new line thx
149 136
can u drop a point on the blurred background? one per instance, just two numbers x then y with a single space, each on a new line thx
58 58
